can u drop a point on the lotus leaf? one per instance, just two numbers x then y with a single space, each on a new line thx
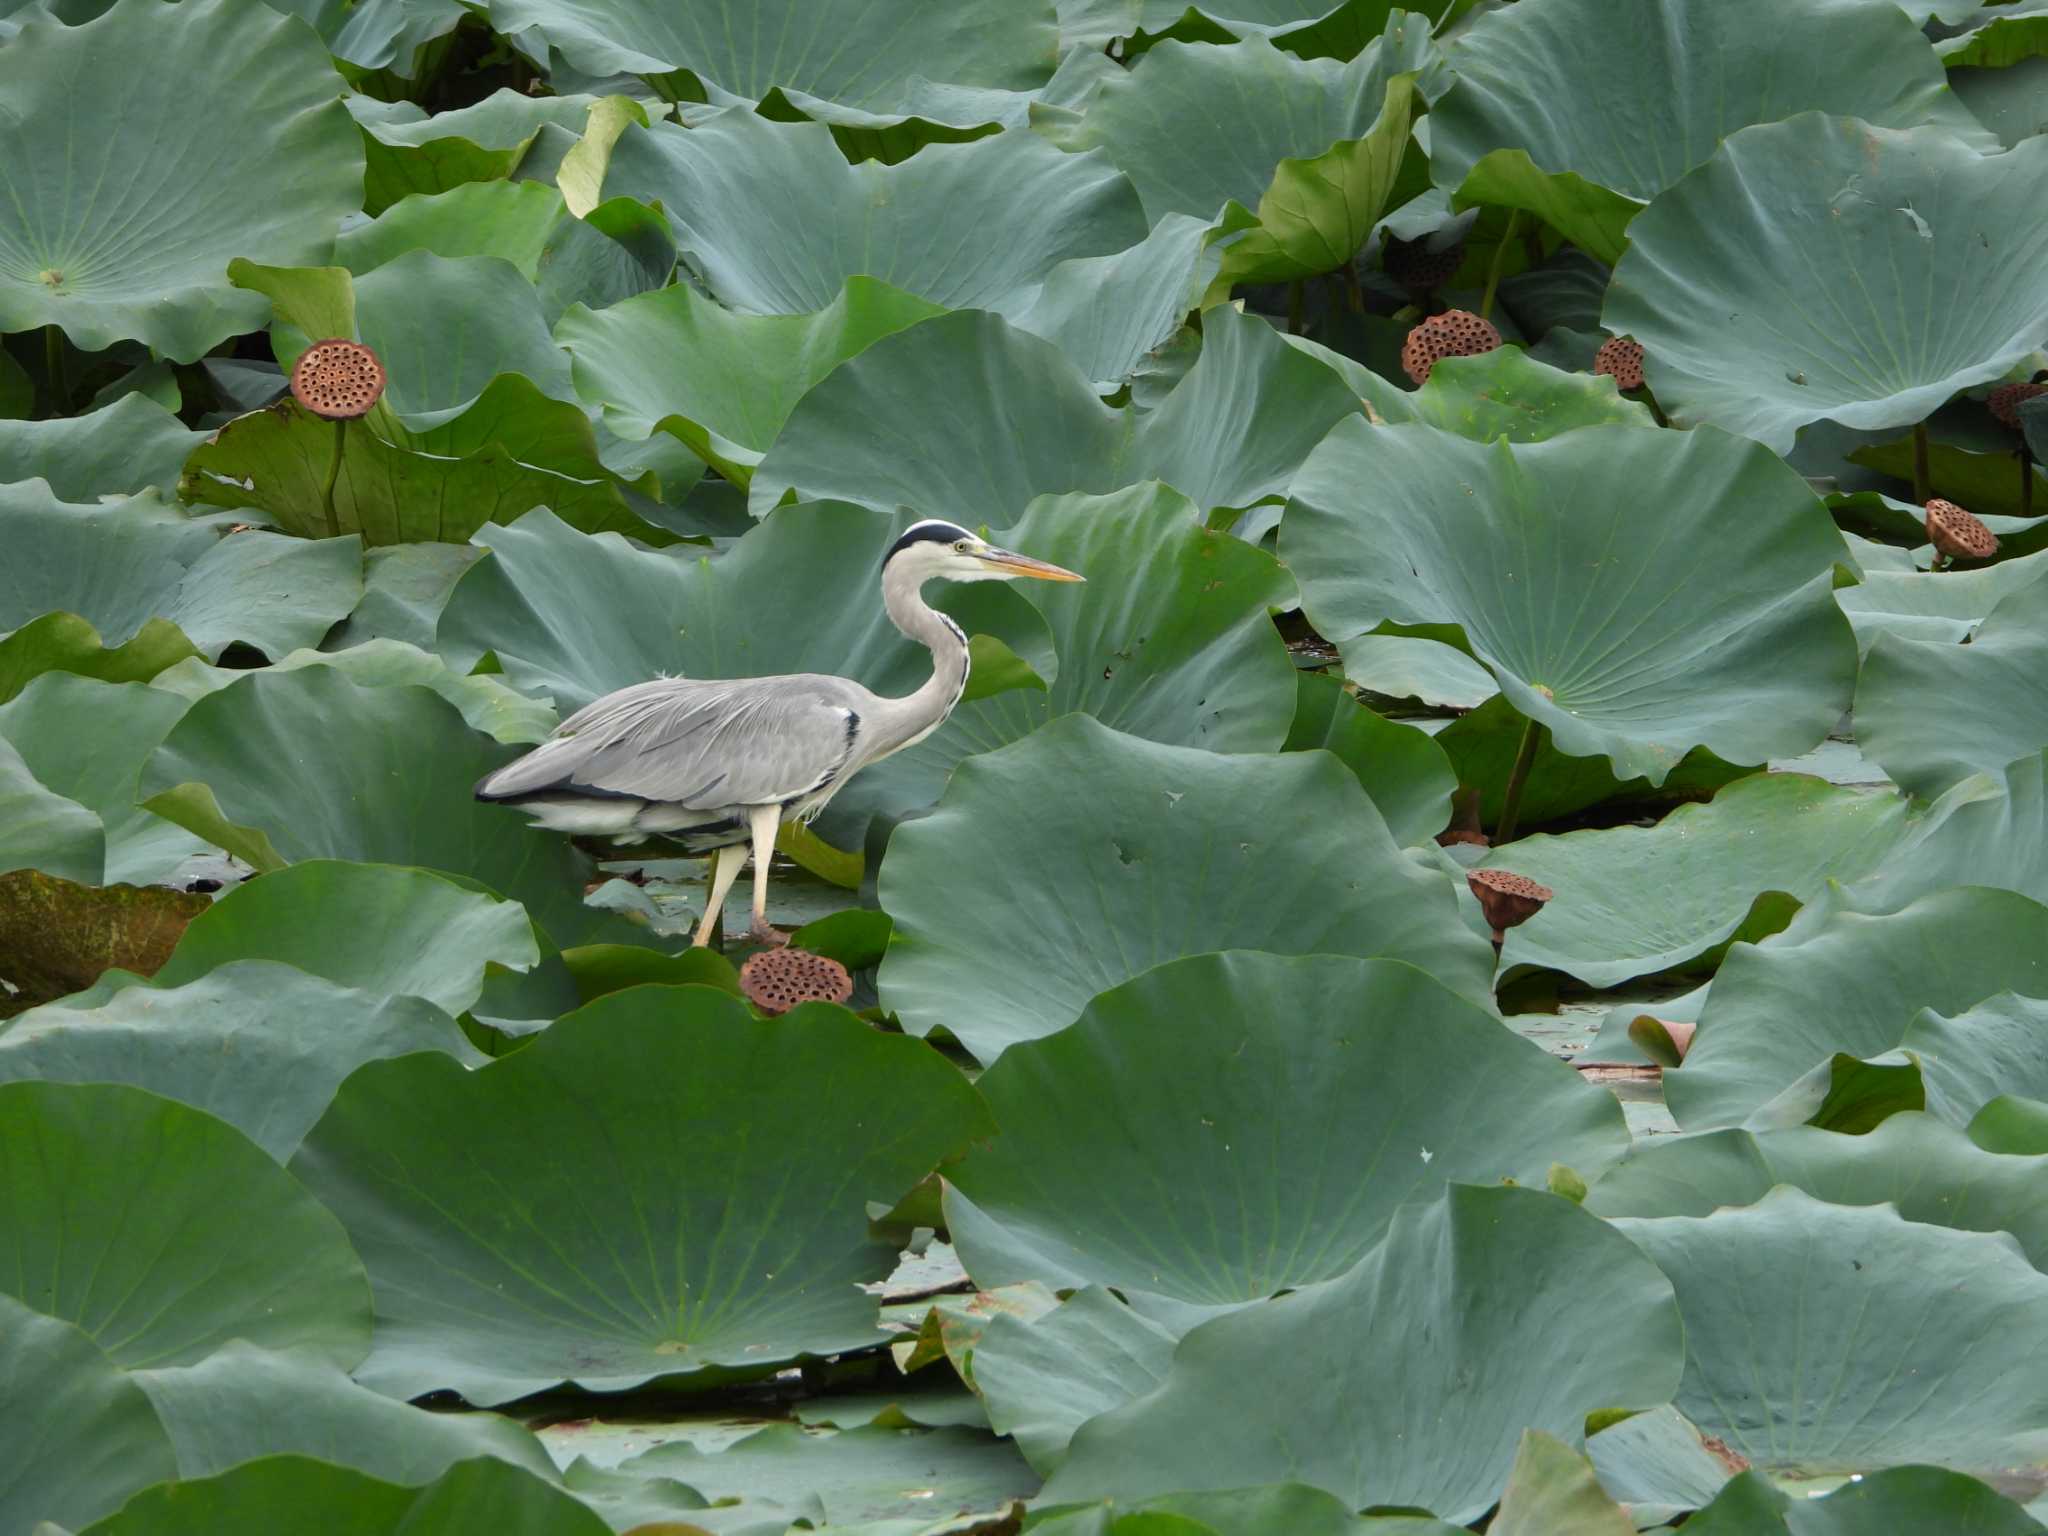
1584 157
405 587
1220 1200
1634 900
1732 281
1851 982
1515 1310
261 1045
1404 772
315 1498
512 220
1934 712
1897 1498
1659 1464
2012 1125
257 769
63 642
1976 1056
1507 393
1125 853
46 831
2014 31
646 1101
409 152
394 35
1852 1364
115 234
1408 667
128 446
84 1435
1632 634
1929 605
1982 478
961 225
989 418
163 1232
1552 1488
1291 1507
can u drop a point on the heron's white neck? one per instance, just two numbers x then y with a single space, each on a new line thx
916 715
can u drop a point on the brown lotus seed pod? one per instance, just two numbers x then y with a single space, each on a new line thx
776 980
1958 535
2005 401
338 379
1621 358
1413 265
1454 333
1508 900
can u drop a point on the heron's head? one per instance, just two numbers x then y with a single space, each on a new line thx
938 550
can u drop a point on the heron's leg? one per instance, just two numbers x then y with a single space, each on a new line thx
764 820
725 868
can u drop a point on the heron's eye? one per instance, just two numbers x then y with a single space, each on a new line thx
961 546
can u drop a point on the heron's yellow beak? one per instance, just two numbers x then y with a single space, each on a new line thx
1008 562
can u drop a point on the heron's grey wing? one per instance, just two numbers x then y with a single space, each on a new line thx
748 741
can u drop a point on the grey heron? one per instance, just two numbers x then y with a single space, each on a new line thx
719 765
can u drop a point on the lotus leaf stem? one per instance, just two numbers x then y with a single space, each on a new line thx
1297 304
1656 411
333 475
1493 267
1923 482
2026 483
53 368
1518 777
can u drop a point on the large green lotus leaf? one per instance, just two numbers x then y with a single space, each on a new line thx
409 152
115 234
723 383
261 1045
1170 639
1934 605
410 932
1933 712
87 741
1849 982
405 587
1826 1338
2012 1125
2003 37
1658 1463
1197 126
1635 900
1497 1310
64 642
1402 769
1976 1056
83 1435
1732 281
1598 575
962 225
1991 829
305 764
853 53
1585 158
316 1498
241 1403
745 1251
512 220
577 617
1291 1507
128 446
1122 853
985 418
394 35
45 830
1222 1194
1552 1489
1507 393
1983 478
1895 1499
874 1473
164 1233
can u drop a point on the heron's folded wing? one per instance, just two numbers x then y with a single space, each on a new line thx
749 741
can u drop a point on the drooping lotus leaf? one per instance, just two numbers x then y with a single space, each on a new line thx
1598 575
512 220
1733 280
849 53
1169 639
1978 1055
2003 37
747 1250
122 448
1584 155
1043 1378
984 418
1933 711
1635 900
244 149
64 642
962 225
1291 1507
1814 1339
45 830
1408 667
1403 770
316 1498
1930 605
164 1233
1552 1488
59 935
722 383
1849 982
1120 854
285 766
84 1436
261 1045
1507 393
241 1403
120 564
410 932
1658 1463
577 617
1895 1499
394 35
409 151
1980 476
405 587
1497 1310
1310 1097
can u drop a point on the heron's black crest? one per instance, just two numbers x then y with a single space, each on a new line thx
932 530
